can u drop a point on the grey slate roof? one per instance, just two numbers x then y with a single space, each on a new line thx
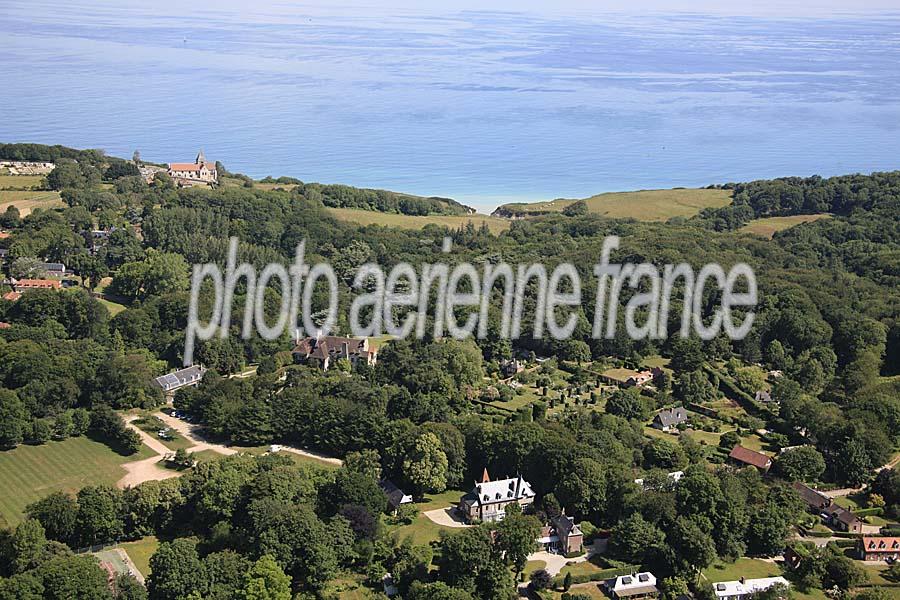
671 416
187 376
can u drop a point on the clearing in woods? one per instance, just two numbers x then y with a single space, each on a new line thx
643 205
371 217
769 226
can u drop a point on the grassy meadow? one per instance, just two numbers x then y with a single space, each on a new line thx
643 205
25 193
769 226
29 473
371 217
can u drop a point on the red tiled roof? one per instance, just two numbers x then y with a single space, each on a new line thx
12 296
191 166
4 325
4 235
750 457
38 284
881 544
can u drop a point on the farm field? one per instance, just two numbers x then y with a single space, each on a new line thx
643 205
20 182
28 200
29 473
769 226
371 217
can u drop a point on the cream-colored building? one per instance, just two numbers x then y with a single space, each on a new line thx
199 172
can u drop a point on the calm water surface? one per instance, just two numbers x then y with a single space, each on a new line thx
486 107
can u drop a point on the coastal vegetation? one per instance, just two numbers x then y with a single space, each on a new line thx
818 377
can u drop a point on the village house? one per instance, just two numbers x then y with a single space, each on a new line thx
745 589
199 172
324 351
511 367
763 397
54 269
176 380
562 535
879 548
148 172
24 167
815 500
395 496
12 296
745 456
488 499
670 418
22 285
639 379
634 586
4 325
842 519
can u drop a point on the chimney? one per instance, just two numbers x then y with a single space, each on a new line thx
742 581
345 350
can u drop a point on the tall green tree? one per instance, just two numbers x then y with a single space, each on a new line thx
266 581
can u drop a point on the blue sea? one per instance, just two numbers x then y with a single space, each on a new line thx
483 105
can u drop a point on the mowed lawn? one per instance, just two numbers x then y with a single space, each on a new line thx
742 567
644 205
769 226
140 552
28 473
371 217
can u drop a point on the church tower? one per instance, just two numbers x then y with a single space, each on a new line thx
200 158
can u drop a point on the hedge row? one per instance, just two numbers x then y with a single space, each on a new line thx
597 576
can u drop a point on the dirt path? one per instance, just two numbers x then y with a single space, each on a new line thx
446 516
150 441
148 469
189 431
131 566
328 459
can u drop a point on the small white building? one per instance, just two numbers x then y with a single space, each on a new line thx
636 585
181 378
671 478
744 589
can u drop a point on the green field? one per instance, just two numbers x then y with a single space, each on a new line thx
771 225
742 567
423 530
140 552
21 182
29 473
644 205
371 217
26 201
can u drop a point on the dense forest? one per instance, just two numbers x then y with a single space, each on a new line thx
828 321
